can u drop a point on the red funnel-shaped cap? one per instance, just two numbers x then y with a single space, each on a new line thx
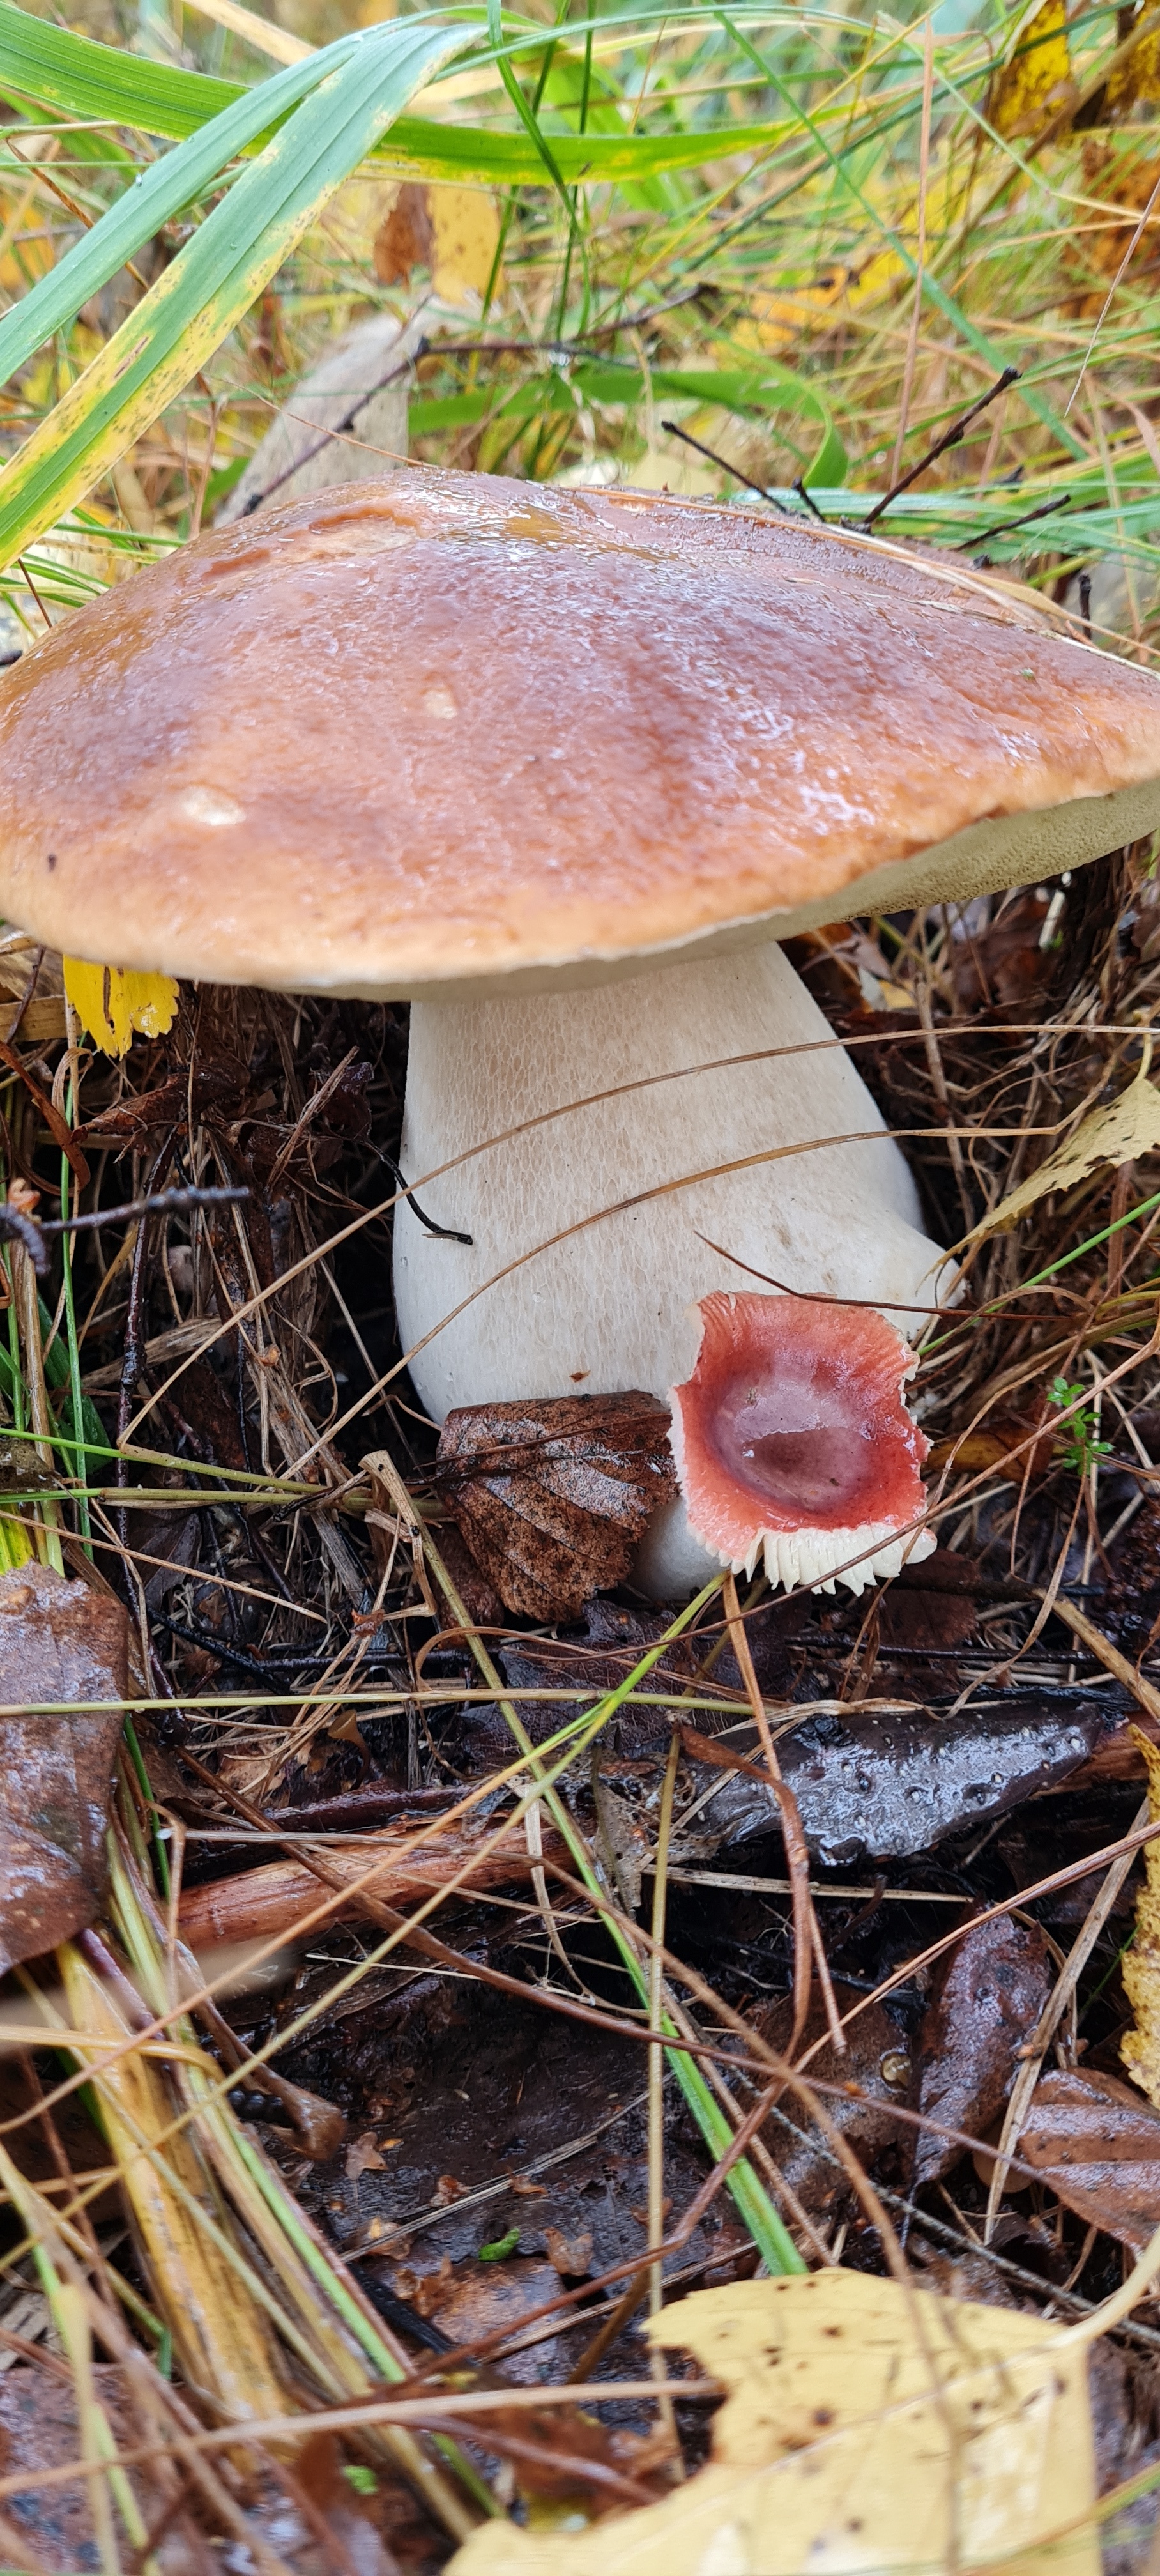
791 1438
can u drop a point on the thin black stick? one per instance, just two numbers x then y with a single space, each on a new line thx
810 503
18 1227
446 1233
156 1203
341 428
726 468
1003 527
950 438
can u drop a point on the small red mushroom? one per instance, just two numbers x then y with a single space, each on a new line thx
791 1436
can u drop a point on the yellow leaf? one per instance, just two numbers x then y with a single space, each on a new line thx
1140 1965
1118 1134
113 1001
466 228
1035 81
832 2453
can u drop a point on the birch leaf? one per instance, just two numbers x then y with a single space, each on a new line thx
111 1002
1119 1133
1140 1966
466 226
830 2452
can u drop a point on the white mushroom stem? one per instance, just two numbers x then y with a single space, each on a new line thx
519 1313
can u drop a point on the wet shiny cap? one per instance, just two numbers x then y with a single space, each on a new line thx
794 1445
455 732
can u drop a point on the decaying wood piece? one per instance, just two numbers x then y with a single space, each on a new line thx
267 1903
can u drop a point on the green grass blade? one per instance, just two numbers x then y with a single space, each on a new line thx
218 275
952 311
69 74
156 195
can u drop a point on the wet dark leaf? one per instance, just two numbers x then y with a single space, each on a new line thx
886 1787
200 1411
347 1109
1096 2142
919 1619
39 2431
987 1999
866 2115
552 1497
58 1642
128 1120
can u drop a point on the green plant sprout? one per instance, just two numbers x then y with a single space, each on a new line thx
1082 1450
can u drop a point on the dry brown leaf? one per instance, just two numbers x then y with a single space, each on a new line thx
570 2256
59 1641
1140 1967
362 2156
1035 80
406 238
1119 1133
552 1496
830 2440
452 232
1096 2144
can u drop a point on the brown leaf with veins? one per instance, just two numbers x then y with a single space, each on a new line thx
552 1496
1096 2143
59 1641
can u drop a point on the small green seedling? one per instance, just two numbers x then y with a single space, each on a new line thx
1082 1447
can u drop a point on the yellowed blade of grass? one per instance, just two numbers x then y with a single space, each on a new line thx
224 2345
1140 1967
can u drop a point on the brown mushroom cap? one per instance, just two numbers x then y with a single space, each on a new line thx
453 730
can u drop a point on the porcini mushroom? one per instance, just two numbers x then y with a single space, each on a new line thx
793 1443
501 750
